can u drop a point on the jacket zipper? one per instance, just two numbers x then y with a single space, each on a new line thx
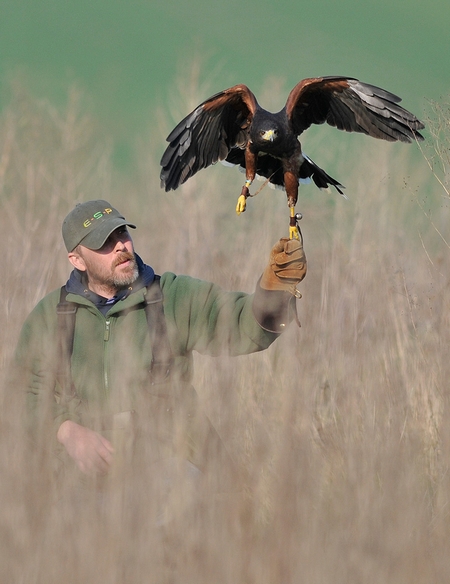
107 329
105 366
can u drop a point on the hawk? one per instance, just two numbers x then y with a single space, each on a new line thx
232 127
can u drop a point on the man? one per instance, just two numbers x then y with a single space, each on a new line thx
95 358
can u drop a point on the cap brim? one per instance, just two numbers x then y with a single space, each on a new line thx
96 239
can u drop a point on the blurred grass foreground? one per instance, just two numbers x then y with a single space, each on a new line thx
339 431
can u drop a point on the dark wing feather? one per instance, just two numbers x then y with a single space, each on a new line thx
347 104
207 134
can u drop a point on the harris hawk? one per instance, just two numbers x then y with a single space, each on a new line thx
232 127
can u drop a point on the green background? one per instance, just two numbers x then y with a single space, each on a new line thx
126 55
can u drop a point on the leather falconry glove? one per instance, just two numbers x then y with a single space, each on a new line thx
287 266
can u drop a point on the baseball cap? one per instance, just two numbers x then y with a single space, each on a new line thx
91 224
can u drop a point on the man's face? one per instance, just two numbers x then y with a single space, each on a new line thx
111 267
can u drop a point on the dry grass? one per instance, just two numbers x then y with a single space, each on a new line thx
341 426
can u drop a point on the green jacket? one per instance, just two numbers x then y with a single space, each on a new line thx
112 354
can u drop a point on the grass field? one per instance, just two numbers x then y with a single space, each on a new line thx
339 430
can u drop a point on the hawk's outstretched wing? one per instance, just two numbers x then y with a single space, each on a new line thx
207 134
348 104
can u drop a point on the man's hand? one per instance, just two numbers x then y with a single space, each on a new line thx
91 451
287 266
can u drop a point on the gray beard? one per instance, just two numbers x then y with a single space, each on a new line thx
120 281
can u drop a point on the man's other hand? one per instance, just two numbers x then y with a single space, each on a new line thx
90 450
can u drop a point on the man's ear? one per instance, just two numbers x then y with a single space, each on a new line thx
77 261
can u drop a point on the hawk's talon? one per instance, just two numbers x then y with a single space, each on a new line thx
241 204
293 232
242 201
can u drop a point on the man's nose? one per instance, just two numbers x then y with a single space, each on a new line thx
120 245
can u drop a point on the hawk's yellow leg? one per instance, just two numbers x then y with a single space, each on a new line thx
293 229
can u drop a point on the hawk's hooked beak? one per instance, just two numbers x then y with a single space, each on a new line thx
269 135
